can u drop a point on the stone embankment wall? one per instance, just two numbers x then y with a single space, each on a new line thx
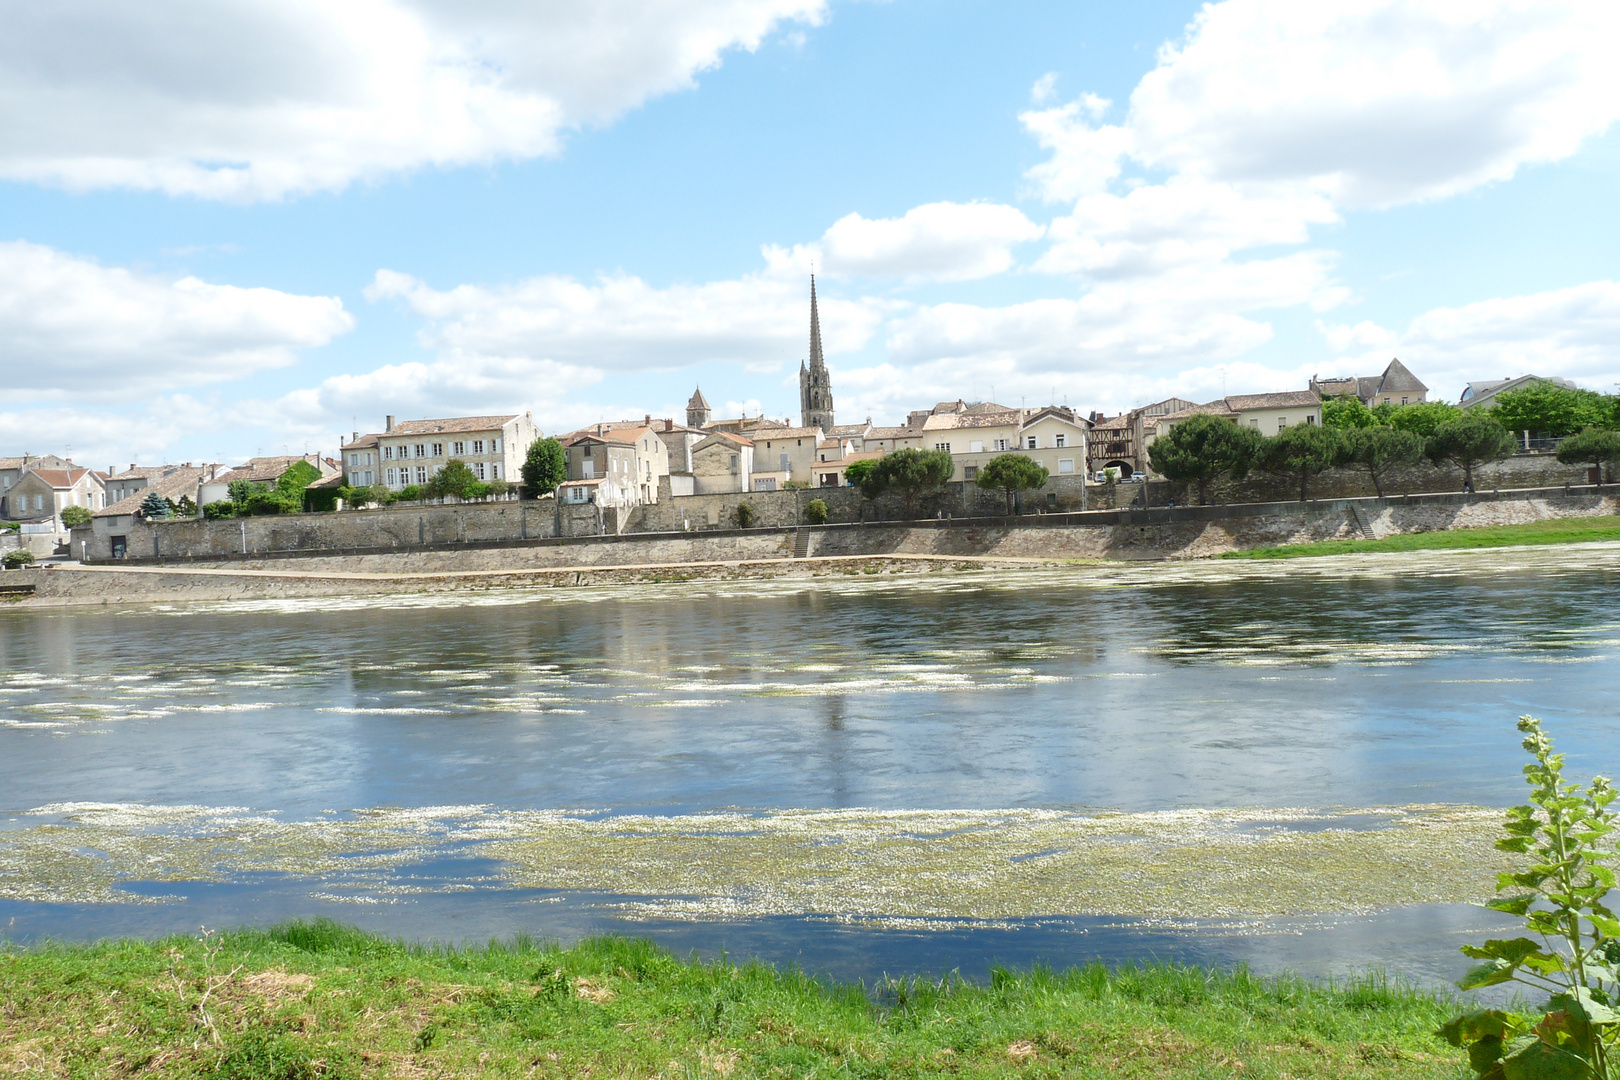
1519 471
1158 533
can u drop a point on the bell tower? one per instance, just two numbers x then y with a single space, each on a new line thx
815 385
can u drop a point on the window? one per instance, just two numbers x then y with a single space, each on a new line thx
421 474
494 472
421 450
976 447
458 448
1282 422
1310 419
495 446
1060 441
478 446
438 449
1254 423
479 469
39 502
1032 442
734 462
970 472
945 446
1065 465
1404 401
390 474
782 463
388 453
588 467
1001 444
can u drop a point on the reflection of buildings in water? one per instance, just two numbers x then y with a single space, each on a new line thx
835 750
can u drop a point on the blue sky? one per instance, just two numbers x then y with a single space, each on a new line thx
229 228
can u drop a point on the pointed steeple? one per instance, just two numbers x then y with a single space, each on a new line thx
816 361
815 384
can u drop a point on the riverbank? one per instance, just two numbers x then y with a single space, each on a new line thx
1553 531
321 1000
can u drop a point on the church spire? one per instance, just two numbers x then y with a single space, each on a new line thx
815 384
817 363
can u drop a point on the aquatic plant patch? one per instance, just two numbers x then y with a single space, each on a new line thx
1553 531
904 866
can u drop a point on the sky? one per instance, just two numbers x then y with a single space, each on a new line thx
241 227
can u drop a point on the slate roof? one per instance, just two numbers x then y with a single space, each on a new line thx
697 401
1398 380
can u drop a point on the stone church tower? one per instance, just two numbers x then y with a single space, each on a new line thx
815 385
697 410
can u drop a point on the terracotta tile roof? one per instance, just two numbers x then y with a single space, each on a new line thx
894 433
59 478
263 469
182 481
450 425
620 436
1287 399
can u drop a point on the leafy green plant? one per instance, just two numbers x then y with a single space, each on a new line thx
815 512
1347 413
1594 446
745 515
857 474
17 559
1380 449
543 468
74 516
1202 448
1568 833
453 478
1548 409
1423 418
478 489
218 511
410 493
1303 452
910 472
155 507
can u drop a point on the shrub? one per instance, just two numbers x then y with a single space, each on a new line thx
218 511
1346 413
264 502
815 512
745 515
74 516
16 559
1568 834
499 488
478 489
409 493
453 478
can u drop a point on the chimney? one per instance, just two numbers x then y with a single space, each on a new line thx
109 470
669 425
389 426
132 466
648 420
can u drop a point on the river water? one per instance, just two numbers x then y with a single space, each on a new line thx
667 760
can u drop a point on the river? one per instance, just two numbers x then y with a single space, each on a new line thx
856 774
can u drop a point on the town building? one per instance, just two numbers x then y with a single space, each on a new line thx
109 528
1120 442
1485 393
1396 386
631 459
410 452
12 469
40 495
724 463
1270 413
215 486
975 434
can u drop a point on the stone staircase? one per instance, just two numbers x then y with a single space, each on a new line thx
801 543
1363 522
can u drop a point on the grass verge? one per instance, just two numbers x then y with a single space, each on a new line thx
317 999
1556 531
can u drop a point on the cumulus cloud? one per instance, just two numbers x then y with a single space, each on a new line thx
1573 332
257 99
70 327
940 241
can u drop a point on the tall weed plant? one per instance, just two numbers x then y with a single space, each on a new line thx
1574 956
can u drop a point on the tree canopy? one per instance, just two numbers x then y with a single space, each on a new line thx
1347 413
1202 448
155 507
1381 449
1594 446
1423 419
910 472
74 516
544 467
1012 473
1303 452
1468 442
453 478
859 474
1548 409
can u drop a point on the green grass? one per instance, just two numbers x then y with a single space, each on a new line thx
1557 531
317 999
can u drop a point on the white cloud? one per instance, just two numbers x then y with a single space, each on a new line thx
71 328
934 242
257 99
1574 333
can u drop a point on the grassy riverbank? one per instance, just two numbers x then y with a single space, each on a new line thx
317 1000
1554 531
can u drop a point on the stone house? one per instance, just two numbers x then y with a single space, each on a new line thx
724 463
12 469
1053 436
884 439
635 459
40 495
410 452
1485 393
1396 386
108 531
787 451
1271 413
